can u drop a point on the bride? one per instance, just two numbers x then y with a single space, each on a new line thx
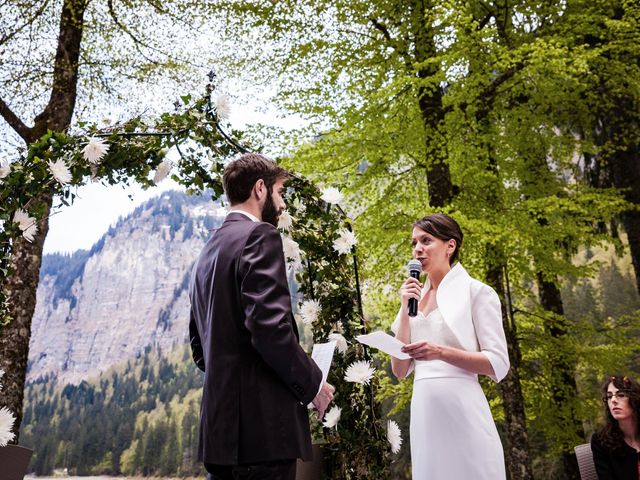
456 336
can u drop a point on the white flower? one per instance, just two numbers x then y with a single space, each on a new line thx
6 424
332 416
346 240
359 372
291 252
309 311
341 342
285 221
26 223
331 195
95 150
162 171
29 233
223 107
60 172
5 170
394 436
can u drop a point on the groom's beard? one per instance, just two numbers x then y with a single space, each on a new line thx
270 213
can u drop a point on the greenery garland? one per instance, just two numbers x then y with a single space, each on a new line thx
359 445
356 445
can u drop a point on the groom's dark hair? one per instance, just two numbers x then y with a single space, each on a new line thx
241 174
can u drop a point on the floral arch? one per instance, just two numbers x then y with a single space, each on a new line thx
318 240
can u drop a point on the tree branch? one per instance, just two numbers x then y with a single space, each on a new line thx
488 95
158 6
13 120
403 52
140 43
137 42
382 28
27 23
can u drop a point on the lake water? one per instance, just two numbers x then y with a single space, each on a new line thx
32 477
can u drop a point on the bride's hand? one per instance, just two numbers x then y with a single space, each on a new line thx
411 288
423 351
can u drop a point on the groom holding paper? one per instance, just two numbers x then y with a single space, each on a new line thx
258 380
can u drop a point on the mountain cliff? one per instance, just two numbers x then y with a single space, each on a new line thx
97 308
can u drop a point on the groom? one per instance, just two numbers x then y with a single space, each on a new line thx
258 380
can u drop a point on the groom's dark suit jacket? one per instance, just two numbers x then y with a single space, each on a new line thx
257 379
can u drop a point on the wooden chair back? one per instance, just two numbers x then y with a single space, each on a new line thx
585 462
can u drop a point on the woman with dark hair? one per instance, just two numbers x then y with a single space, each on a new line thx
616 446
456 335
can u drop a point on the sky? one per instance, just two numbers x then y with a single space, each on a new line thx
95 209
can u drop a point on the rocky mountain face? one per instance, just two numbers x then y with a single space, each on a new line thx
130 291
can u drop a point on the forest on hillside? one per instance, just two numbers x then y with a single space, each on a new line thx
140 418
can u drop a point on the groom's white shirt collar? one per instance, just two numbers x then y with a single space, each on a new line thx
251 217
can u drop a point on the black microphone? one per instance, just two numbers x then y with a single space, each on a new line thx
415 269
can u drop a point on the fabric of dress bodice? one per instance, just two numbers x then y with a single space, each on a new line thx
434 329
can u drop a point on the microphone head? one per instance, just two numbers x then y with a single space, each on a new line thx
414 266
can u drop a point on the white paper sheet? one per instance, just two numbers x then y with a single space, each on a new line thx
322 354
384 342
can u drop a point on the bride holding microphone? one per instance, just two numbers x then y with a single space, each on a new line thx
455 335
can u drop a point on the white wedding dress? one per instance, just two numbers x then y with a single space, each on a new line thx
453 435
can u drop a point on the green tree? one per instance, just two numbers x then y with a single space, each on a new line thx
170 460
468 107
189 432
619 297
609 30
128 461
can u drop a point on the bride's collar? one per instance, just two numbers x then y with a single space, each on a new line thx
457 271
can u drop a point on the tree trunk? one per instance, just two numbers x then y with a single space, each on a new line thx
624 167
517 449
59 110
20 288
432 110
564 390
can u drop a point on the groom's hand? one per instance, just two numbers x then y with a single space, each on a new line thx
323 399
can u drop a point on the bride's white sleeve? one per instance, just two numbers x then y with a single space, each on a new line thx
396 323
487 321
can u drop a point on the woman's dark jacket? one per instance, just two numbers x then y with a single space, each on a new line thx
619 464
